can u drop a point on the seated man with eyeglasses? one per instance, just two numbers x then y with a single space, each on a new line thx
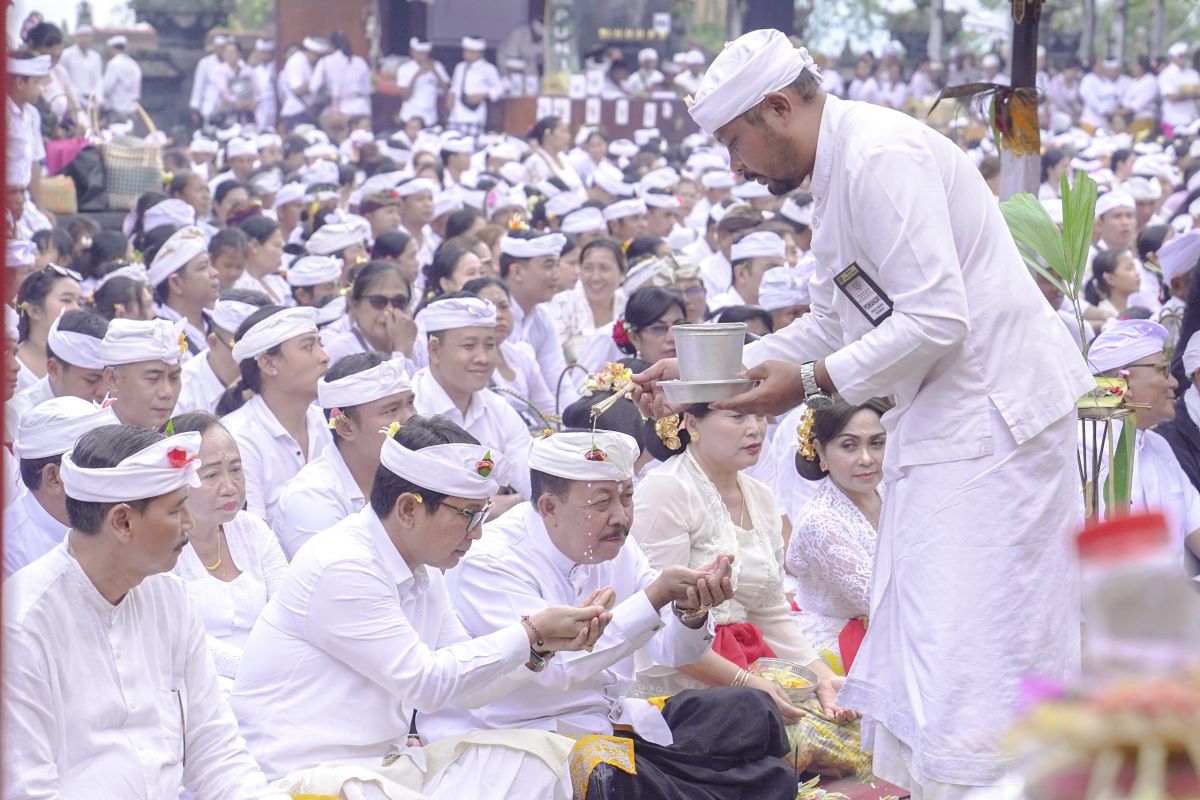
361 639
463 353
1134 350
572 542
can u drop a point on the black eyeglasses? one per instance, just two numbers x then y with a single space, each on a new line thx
380 301
1164 368
475 518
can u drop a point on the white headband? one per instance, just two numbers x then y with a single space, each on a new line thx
313 270
36 67
470 471
289 193
471 43
799 214
783 287
129 341
416 186
274 330
549 245
760 244
171 211
184 245
583 456
135 272
333 237
456 312
76 349
565 202
163 467
228 315
660 200
417 46
52 427
372 384
584 220
624 208
1124 343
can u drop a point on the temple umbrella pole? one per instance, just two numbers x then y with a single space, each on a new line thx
1021 173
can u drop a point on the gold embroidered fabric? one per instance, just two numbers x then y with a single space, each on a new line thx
593 749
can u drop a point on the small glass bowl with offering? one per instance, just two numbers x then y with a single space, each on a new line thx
798 682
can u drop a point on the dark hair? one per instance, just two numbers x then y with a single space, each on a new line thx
642 247
259 228
33 292
477 285
542 127
120 291
506 260
827 424
145 202
57 238
461 221
79 320
605 243
225 187
1119 155
622 417
541 483
104 448
251 376
250 297
106 246
1105 263
645 307
193 422
179 182
658 447
417 434
341 41
349 365
572 243
369 273
1050 159
152 241
390 244
227 239
745 314
444 261
807 85
1150 239
44 34
31 470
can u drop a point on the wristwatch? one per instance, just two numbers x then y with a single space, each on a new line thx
537 661
690 614
814 396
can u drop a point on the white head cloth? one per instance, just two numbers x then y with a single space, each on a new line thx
612 180
20 253
760 244
451 469
565 456
783 287
241 147
564 203
264 45
333 310
129 341
171 211
1142 189
660 200
202 144
750 190
647 54
624 208
317 44
1179 256
1110 201
145 474
313 270
52 427
274 330
799 214
717 179
471 43
372 384
665 178
1124 343
117 41
184 245
289 193
746 71
415 45
640 274
446 203
76 349
36 67
1191 356
228 315
416 186
332 238
583 220
265 140
135 272
456 312
550 244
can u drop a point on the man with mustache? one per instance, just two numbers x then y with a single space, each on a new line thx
568 546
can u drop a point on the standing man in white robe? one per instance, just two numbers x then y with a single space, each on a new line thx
109 690
122 87
83 66
294 81
421 81
921 294
475 81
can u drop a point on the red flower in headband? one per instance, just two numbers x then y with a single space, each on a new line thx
178 458
596 454
620 335
485 465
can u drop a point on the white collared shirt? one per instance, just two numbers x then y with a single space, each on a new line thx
1170 80
122 84
113 701
423 102
84 69
727 299
270 456
516 569
22 401
352 643
29 532
322 494
717 272
201 388
297 72
489 418
196 337
348 81
536 329
476 77
1160 484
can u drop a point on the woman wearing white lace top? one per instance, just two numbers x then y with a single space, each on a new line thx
833 539
550 139
596 299
699 504
232 563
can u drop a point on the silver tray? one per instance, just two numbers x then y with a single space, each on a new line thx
680 393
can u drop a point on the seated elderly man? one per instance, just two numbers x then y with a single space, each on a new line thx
109 690
569 544
1134 350
142 371
361 637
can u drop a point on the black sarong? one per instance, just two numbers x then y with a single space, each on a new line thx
729 745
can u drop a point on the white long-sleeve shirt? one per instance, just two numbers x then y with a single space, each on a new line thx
84 70
353 642
200 79
322 494
201 388
1170 80
1141 96
516 569
1100 97
489 418
348 80
474 78
122 84
297 72
423 102
29 532
105 700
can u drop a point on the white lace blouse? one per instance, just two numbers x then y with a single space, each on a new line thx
230 608
679 518
830 554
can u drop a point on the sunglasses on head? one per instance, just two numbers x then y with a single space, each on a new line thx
380 301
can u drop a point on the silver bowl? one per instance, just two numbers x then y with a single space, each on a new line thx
686 393
783 672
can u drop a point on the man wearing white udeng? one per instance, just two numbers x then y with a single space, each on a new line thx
920 293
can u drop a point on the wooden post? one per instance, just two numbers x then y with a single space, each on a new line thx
1021 173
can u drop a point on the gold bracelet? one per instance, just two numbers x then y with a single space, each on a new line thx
741 679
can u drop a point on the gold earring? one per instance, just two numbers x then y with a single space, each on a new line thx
695 437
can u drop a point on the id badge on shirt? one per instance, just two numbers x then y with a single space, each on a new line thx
864 293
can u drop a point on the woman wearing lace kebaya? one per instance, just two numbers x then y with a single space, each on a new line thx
833 540
232 563
699 504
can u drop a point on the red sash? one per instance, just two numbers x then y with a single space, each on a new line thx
742 643
850 639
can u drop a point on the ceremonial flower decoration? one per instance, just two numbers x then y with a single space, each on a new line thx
612 378
485 465
391 430
169 430
620 335
119 308
167 177
625 245
667 430
517 223
804 442
183 344
336 415
596 454
178 458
